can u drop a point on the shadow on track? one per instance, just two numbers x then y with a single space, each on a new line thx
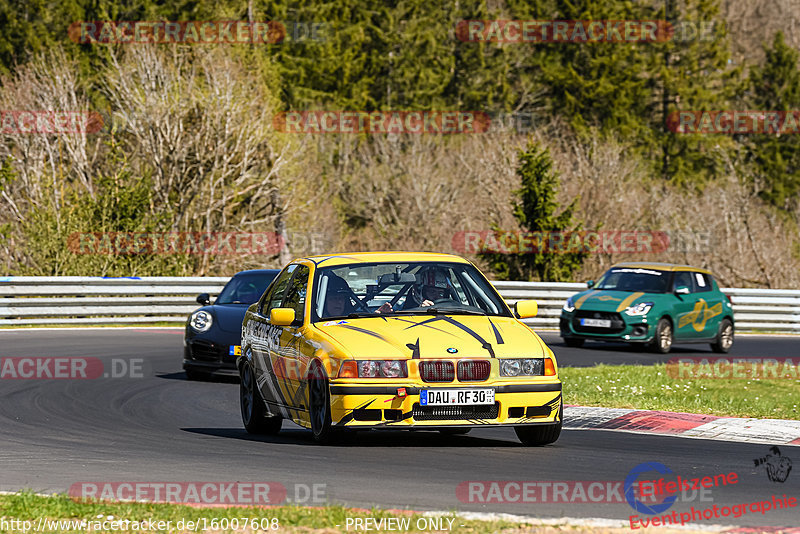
181 375
363 438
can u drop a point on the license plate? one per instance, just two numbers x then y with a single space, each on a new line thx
235 350
455 397
602 323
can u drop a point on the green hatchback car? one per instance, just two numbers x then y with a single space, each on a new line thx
653 304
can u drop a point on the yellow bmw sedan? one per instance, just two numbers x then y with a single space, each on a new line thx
394 340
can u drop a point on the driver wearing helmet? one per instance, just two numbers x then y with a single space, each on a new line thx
432 285
337 301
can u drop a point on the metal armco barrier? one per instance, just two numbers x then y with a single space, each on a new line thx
35 300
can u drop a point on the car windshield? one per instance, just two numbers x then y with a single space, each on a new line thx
634 279
404 288
244 288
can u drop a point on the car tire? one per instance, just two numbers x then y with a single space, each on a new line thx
319 403
454 431
538 435
574 342
254 413
724 340
662 341
196 376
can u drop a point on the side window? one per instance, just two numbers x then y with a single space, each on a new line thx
296 293
702 282
275 296
684 278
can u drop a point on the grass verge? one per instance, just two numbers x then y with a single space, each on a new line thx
650 387
161 518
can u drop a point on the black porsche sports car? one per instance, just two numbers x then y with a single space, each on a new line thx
213 333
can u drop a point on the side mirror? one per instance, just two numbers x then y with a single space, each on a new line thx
590 284
681 290
281 316
204 299
526 309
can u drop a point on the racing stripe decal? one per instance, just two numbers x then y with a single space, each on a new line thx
497 335
486 345
414 349
581 300
349 416
364 331
627 302
270 380
425 323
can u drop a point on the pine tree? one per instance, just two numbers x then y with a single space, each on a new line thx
776 158
535 208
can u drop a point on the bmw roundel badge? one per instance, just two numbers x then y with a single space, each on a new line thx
452 350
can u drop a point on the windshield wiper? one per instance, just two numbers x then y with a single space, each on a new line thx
453 311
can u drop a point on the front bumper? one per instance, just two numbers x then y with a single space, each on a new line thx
356 404
636 329
210 351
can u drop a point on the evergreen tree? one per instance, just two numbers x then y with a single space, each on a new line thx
535 210
776 158
690 71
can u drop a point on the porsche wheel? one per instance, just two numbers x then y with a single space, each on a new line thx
254 414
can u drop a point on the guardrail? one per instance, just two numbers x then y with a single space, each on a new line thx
35 300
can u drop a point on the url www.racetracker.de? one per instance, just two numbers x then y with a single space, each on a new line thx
110 524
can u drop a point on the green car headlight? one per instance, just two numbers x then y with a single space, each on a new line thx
639 309
569 306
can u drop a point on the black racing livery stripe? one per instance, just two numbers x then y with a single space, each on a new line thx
425 323
414 349
349 416
484 344
497 335
363 331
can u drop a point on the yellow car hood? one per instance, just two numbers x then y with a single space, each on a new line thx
426 336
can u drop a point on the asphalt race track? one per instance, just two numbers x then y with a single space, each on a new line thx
160 427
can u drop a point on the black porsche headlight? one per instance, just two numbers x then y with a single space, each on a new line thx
200 321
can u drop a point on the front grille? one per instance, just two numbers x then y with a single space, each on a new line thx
444 413
207 352
473 370
617 324
437 371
